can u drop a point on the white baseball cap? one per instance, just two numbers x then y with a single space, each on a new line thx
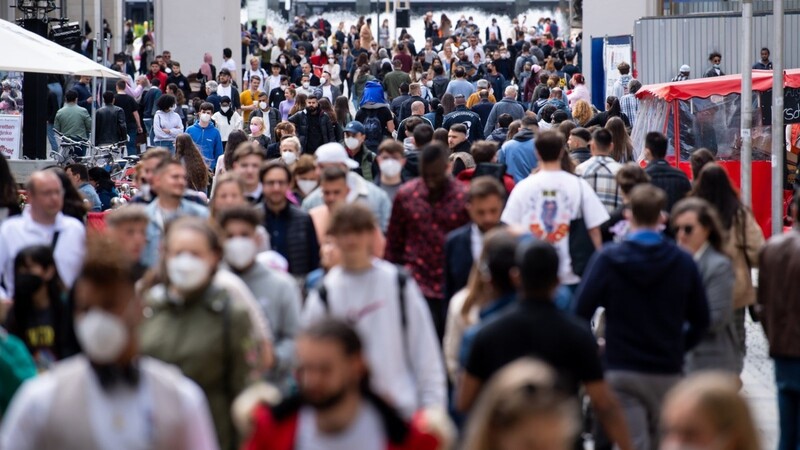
685 68
334 153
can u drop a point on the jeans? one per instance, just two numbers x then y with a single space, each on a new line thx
51 138
169 145
787 380
132 150
59 91
148 128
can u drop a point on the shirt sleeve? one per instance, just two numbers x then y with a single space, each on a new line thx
27 414
424 349
199 429
514 210
395 235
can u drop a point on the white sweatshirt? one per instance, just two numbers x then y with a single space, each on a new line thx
405 365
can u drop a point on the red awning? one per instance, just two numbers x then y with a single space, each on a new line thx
706 87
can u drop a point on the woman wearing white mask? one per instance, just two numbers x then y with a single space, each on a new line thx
290 150
193 322
167 124
110 395
305 177
391 159
226 119
333 70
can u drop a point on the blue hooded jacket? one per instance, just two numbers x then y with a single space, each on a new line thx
208 141
373 92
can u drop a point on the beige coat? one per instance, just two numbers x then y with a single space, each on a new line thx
745 239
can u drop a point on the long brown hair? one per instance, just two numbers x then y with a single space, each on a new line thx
196 168
299 104
326 107
623 147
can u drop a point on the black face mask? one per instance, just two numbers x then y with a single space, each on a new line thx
26 284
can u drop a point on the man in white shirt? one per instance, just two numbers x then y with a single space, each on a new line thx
109 397
548 201
389 312
42 223
255 69
227 60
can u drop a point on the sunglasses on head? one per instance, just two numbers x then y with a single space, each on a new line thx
687 229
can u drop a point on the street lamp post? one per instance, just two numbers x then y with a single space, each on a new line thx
778 134
747 102
34 85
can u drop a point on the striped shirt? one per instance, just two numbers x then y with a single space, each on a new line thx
629 105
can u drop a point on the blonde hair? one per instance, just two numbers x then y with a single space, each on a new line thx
716 395
582 112
521 390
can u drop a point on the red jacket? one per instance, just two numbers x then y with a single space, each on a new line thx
162 79
272 433
466 176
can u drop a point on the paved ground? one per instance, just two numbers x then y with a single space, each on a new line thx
759 386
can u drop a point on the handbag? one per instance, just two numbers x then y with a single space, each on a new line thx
581 246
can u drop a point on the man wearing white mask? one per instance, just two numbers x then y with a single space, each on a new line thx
276 292
391 159
206 136
354 137
329 91
271 116
109 396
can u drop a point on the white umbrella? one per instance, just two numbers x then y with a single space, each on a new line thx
24 51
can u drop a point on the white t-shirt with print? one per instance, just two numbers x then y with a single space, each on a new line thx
545 203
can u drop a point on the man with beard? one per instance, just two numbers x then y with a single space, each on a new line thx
313 127
335 407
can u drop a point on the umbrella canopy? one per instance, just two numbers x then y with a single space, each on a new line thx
724 85
24 51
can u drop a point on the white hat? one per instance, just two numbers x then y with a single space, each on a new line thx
685 69
334 153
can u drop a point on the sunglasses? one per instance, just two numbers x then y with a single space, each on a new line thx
687 229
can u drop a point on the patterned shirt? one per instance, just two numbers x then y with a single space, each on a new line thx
418 228
630 106
600 172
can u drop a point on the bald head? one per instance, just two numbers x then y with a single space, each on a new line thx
417 108
45 196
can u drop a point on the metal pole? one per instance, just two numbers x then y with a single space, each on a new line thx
83 15
778 134
747 103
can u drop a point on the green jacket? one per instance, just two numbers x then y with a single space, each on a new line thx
73 120
16 366
193 336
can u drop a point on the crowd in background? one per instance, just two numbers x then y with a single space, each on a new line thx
379 244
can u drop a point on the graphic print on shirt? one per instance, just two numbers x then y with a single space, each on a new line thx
550 216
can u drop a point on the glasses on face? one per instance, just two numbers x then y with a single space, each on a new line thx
686 229
716 61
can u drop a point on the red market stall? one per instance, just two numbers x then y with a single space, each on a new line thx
706 113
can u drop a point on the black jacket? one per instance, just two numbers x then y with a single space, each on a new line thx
672 180
300 121
110 125
457 260
462 115
299 246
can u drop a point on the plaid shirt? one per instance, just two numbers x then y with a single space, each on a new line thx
630 106
600 173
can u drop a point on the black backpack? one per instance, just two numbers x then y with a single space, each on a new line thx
373 130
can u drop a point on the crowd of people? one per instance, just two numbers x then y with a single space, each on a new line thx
367 245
